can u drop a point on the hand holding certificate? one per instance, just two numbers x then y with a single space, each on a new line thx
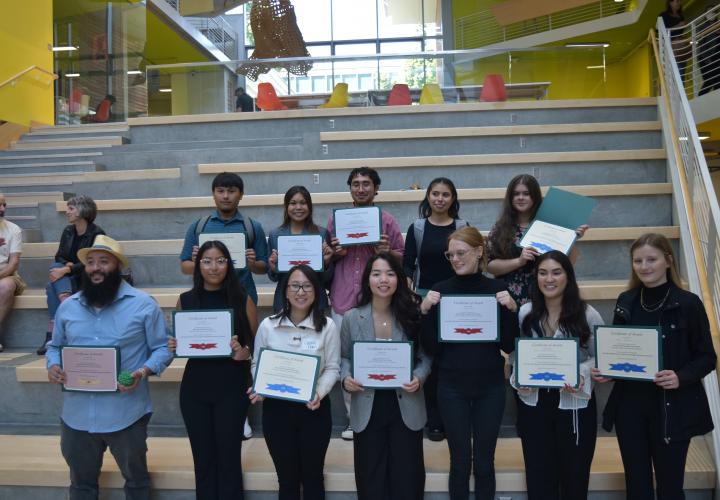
286 375
544 237
301 249
235 243
203 334
357 226
546 362
382 365
90 369
628 352
468 318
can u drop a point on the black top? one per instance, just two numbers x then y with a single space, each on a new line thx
212 375
687 349
671 20
435 267
470 367
244 103
71 242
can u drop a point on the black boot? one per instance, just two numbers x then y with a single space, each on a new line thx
43 348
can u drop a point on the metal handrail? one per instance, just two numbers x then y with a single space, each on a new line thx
481 28
27 70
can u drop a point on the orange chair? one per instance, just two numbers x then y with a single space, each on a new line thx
102 114
267 99
493 89
399 95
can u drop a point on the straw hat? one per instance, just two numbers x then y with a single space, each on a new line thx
105 244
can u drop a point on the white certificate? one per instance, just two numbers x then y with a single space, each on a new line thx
286 375
628 352
203 334
235 243
543 237
546 362
90 369
468 318
382 365
301 249
357 226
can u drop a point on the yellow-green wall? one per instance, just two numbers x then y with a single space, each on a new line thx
25 33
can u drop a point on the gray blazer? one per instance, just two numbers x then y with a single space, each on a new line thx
358 325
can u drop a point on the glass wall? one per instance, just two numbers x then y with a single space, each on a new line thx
361 27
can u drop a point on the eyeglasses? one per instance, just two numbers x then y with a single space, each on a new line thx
220 262
460 254
305 287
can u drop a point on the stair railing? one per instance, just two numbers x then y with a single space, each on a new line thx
697 206
34 68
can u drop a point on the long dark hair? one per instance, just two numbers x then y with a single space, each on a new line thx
234 292
505 227
311 226
573 322
319 319
425 211
405 304
669 10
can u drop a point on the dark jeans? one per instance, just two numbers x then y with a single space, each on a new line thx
83 452
472 424
430 387
297 439
54 290
638 429
557 459
389 460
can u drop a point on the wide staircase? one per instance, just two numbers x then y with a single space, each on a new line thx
151 179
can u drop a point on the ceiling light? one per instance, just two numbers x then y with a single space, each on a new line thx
65 48
72 75
618 1
595 67
134 72
164 90
703 136
591 45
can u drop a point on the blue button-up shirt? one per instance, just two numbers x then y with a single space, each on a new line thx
135 324
235 225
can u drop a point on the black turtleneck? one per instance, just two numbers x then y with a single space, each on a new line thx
653 299
470 367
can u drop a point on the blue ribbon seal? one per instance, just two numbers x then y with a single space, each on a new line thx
541 246
627 367
283 388
547 376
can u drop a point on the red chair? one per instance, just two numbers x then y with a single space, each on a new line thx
399 95
493 89
102 114
267 99
75 101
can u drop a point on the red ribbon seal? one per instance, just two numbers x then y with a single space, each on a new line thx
468 331
356 235
299 262
202 347
382 377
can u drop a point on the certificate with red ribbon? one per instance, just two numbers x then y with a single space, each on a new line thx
299 249
203 334
382 364
468 318
357 226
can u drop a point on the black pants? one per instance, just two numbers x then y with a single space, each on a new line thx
472 424
430 387
557 460
83 451
638 426
297 439
389 461
214 411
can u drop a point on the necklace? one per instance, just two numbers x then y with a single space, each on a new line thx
653 307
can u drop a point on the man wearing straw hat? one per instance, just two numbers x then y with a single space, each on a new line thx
107 311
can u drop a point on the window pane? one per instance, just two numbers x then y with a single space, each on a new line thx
400 18
350 71
313 19
402 70
433 17
354 19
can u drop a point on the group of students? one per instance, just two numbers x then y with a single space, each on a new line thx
387 292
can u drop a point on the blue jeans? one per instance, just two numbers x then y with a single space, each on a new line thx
472 425
54 290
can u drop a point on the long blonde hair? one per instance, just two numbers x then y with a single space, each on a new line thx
472 237
659 242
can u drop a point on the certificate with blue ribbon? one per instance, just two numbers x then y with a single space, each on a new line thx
628 352
286 375
546 362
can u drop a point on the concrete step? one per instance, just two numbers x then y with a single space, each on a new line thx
33 157
67 143
69 178
31 463
49 167
84 129
22 197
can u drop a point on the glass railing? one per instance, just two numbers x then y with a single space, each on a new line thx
534 73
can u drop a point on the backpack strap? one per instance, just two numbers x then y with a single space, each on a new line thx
249 229
461 223
200 225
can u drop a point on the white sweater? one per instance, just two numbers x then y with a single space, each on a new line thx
283 335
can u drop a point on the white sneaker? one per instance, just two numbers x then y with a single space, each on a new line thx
247 430
347 434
